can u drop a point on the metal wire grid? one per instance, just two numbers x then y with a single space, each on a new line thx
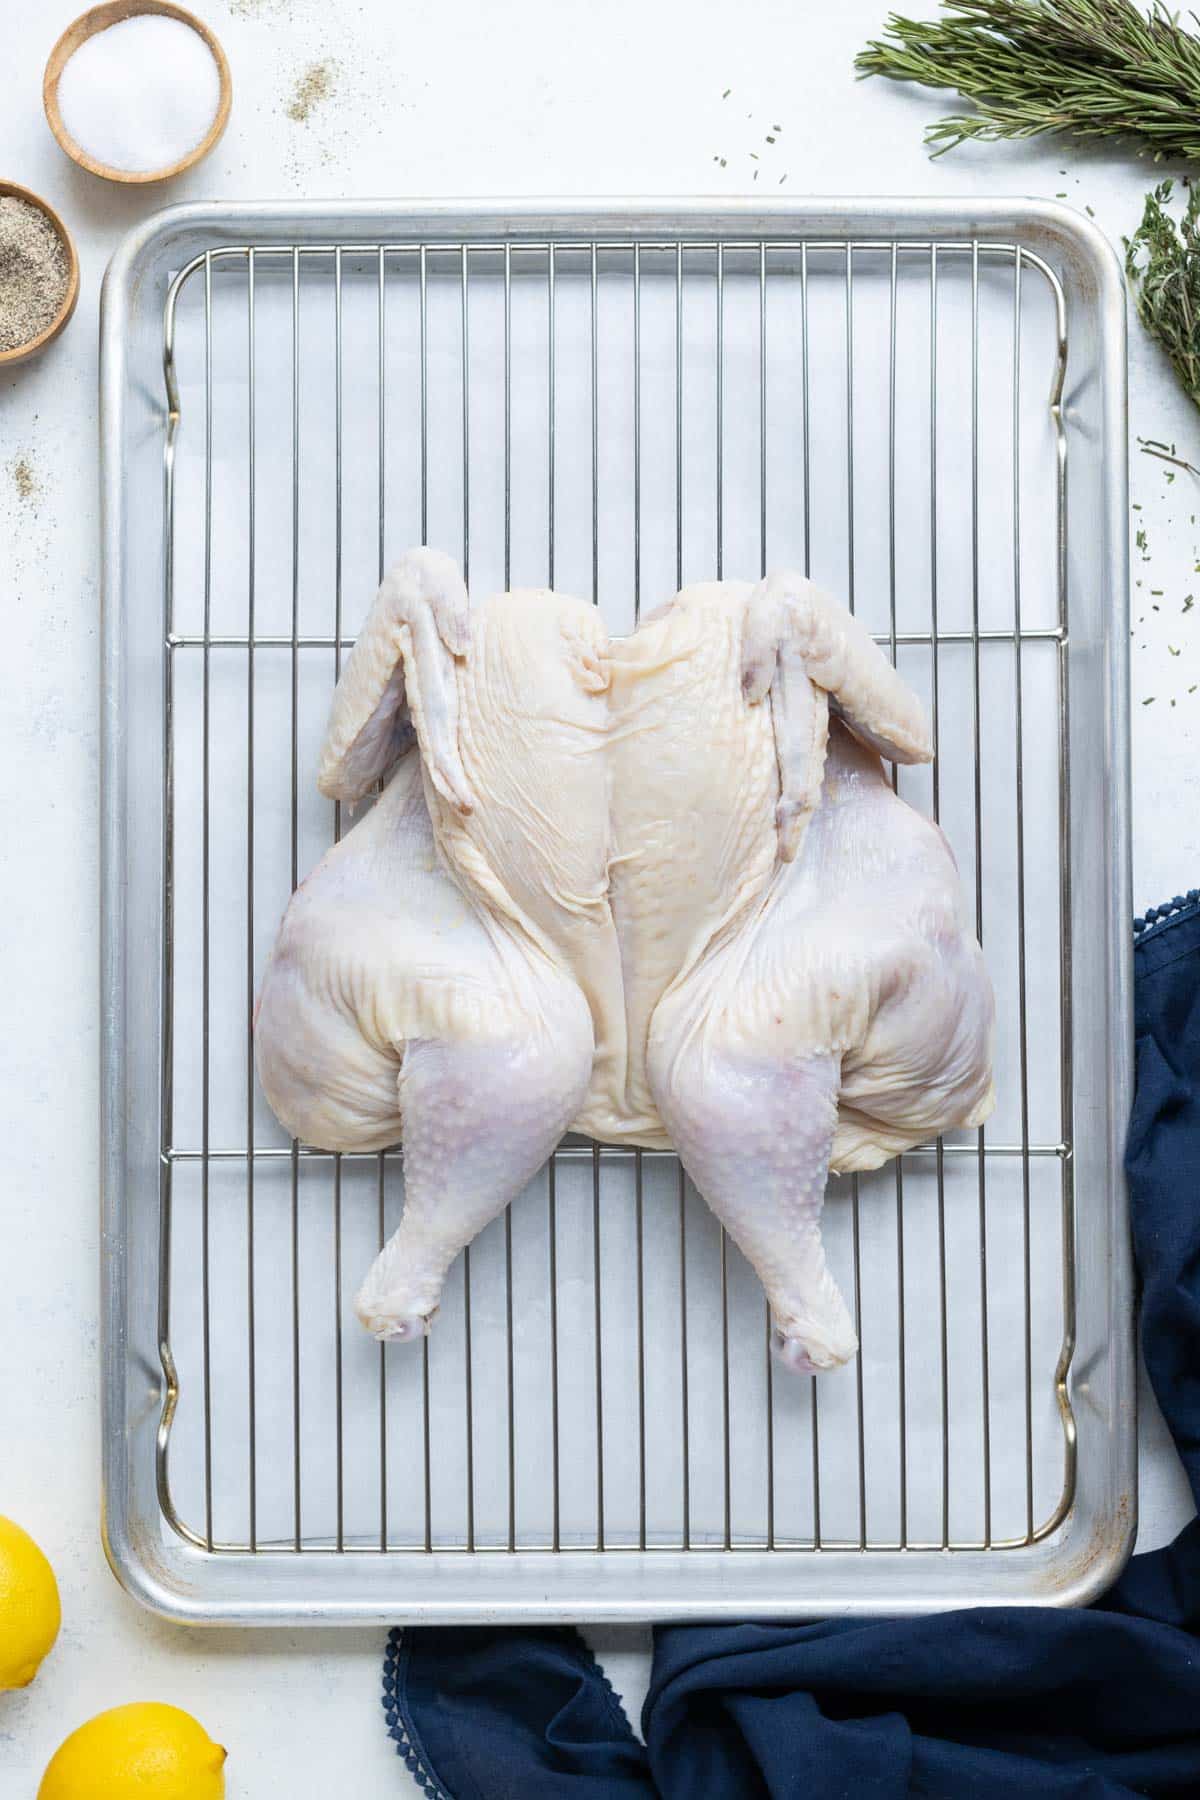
255 1162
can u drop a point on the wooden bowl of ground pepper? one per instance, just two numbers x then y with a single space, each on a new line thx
39 274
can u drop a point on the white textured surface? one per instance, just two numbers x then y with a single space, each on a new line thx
426 101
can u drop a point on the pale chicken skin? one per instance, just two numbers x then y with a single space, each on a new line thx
642 887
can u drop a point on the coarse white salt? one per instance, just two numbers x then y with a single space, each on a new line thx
140 95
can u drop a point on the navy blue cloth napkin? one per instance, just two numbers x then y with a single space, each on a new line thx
1013 1701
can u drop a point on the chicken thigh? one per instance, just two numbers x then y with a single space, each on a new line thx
645 887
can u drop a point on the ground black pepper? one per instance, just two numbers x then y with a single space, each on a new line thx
34 272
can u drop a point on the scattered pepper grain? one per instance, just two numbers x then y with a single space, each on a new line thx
24 477
314 86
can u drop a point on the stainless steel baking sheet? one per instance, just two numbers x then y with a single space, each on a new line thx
923 406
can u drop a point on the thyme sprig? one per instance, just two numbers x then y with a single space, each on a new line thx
1162 260
1085 68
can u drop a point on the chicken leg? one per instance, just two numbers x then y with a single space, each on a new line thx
852 1017
390 1010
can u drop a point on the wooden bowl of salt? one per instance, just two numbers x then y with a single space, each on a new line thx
137 90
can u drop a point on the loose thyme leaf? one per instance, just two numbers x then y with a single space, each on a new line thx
1083 68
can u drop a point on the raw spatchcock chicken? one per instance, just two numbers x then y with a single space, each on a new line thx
654 888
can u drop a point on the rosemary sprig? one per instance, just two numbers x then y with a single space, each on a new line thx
1162 260
1086 68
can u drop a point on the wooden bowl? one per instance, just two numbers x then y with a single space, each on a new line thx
18 353
99 18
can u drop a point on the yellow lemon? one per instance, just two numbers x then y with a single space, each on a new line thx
29 1610
140 1752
